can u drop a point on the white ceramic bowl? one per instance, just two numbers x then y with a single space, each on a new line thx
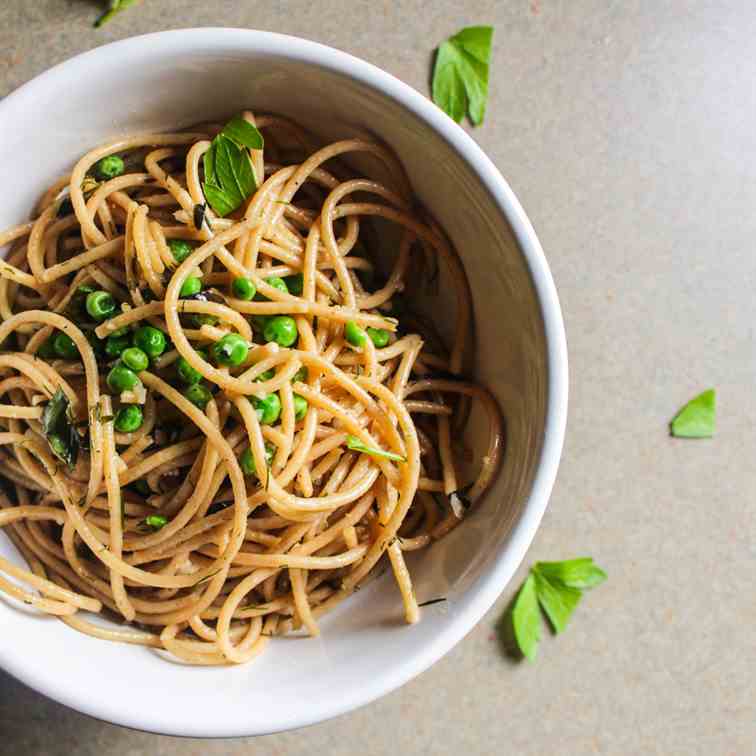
177 78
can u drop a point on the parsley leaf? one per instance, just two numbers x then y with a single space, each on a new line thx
697 418
526 619
460 74
557 587
355 444
557 600
114 7
579 573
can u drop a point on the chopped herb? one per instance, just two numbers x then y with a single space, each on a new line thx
697 418
460 75
557 587
430 602
154 522
355 444
114 7
60 430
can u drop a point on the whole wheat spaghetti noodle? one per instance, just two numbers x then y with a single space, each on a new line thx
216 421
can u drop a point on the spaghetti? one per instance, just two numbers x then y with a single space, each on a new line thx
214 428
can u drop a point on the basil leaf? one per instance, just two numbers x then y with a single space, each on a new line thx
243 133
218 200
355 444
526 619
460 74
579 573
208 163
558 601
697 418
114 7
229 177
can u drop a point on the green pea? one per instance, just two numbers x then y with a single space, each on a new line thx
300 375
300 407
64 346
124 331
231 350
276 283
150 340
46 349
295 284
379 336
85 289
190 287
120 378
135 358
268 408
109 167
243 288
282 329
198 395
180 249
129 418
186 372
116 344
100 305
247 460
354 334
266 376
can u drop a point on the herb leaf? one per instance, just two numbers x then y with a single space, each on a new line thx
579 573
355 444
229 176
59 429
243 133
460 74
557 600
114 7
697 418
558 588
526 619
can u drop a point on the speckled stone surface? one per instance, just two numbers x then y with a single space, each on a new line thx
628 130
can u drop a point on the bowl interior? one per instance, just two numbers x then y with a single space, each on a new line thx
365 648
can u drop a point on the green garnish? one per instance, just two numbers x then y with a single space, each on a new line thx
229 176
114 7
460 74
180 249
59 429
121 378
155 522
355 444
697 418
557 587
190 287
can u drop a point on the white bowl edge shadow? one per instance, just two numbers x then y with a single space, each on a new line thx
364 651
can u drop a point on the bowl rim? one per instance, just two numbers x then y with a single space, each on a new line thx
489 586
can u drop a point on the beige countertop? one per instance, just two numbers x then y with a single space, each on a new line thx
628 131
